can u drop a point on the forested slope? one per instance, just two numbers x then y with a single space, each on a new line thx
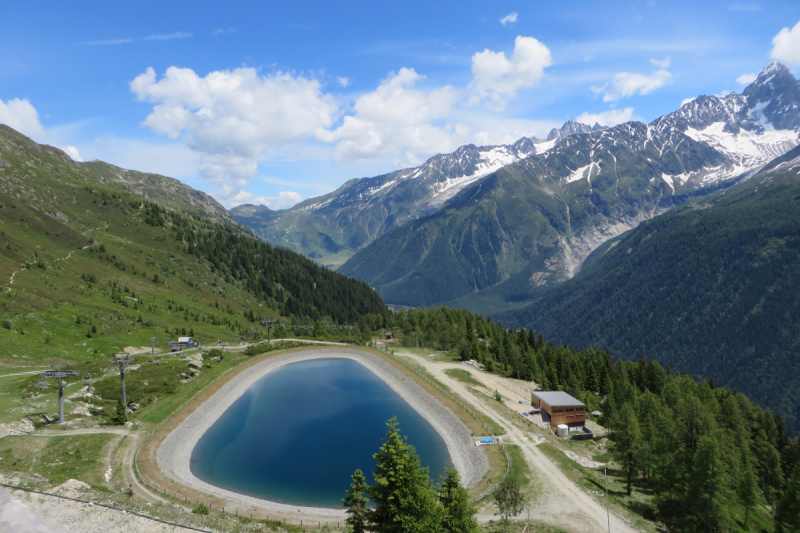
712 288
90 262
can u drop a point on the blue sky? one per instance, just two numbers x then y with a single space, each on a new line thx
272 102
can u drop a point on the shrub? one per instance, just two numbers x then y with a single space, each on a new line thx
6 324
201 509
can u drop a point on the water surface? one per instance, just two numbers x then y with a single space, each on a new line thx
298 434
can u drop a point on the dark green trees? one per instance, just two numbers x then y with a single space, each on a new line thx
356 503
458 514
404 498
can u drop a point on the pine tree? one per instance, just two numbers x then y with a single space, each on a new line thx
747 488
403 494
707 503
627 443
356 504
787 513
458 513
121 416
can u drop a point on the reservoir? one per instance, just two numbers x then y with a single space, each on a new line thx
298 434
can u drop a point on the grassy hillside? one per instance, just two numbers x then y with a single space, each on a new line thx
712 288
89 264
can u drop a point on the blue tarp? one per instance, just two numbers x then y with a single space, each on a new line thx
487 440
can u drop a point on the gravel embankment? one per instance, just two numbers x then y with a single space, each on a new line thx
174 453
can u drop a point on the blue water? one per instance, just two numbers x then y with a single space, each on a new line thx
298 434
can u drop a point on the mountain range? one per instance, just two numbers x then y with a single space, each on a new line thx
487 227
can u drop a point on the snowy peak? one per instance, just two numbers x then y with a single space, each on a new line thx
773 100
572 127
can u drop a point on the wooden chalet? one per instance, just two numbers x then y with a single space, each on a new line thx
561 407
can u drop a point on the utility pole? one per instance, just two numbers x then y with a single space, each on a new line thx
122 362
60 375
608 513
268 323
153 347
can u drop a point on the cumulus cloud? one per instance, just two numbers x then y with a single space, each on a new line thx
511 18
394 120
230 118
612 117
23 117
497 78
786 45
627 84
746 79
688 100
663 63
341 80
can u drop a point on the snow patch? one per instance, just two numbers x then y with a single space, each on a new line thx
587 171
748 150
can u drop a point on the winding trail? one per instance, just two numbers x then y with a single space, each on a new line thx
11 280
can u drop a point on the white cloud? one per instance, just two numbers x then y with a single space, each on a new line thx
511 18
169 36
284 200
107 42
341 80
230 118
663 63
626 84
746 79
395 120
224 31
687 100
612 117
786 46
745 6
72 152
23 117
497 78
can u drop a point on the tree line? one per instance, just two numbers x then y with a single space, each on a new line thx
709 455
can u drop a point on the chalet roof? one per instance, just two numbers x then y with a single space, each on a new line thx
184 339
557 398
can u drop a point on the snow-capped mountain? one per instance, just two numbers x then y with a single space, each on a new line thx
533 222
332 227
592 183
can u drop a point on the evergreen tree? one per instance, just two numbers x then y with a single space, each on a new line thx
403 494
627 447
120 415
787 513
458 513
747 488
707 504
356 504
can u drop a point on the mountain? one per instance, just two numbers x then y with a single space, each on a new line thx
712 287
510 234
331 228
97 258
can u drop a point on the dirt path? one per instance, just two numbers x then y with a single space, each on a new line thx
11 280
124 457
562 502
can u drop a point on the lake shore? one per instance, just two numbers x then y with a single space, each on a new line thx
173 455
